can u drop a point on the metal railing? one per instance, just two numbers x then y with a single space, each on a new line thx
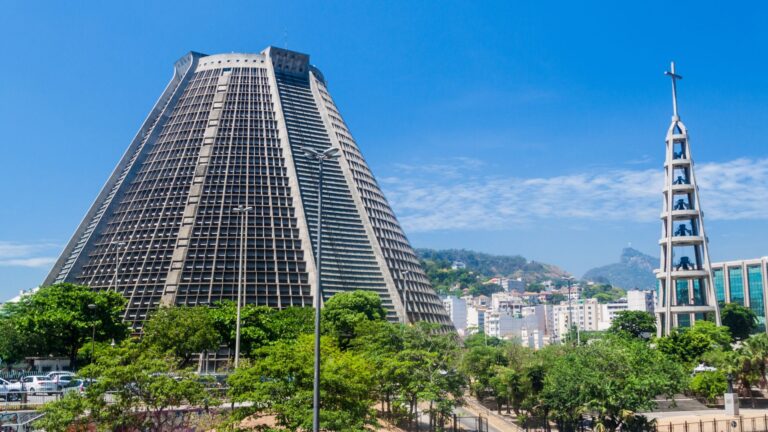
469 424
739 424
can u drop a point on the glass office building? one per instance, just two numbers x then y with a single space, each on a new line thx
232 130
743 282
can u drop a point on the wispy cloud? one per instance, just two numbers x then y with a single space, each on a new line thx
13 254
731 190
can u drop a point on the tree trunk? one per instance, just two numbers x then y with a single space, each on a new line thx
73 358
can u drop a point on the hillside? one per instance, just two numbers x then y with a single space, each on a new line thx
488 266
633 271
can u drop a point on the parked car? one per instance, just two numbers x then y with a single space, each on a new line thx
77 385
6 391
16 385
61 378
38 384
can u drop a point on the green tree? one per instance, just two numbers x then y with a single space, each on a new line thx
344 311
709 385
281 380
509 387
690 345
478 364
610 378
481 339
718 336
11 342
56 320
254 328
757 346
182 331
741 320
260 325
379 342
143 387
637 324
290 323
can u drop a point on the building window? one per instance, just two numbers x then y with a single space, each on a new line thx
681 291
736 282
719 285
756 303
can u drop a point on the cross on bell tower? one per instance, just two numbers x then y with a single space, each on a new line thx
685 290
671 73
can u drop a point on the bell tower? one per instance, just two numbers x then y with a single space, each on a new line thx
685 290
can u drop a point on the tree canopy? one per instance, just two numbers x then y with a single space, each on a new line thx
741 320
637 324
182 331
344 311
57 320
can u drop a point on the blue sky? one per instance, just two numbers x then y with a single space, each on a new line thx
533 128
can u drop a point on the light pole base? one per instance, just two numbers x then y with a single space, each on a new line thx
731 404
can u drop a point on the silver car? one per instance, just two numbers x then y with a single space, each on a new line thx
60 378
7 391
38 384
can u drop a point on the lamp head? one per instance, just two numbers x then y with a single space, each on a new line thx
331 153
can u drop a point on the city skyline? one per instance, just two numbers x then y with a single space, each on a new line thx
499 138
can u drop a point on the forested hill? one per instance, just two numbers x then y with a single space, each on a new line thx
488 265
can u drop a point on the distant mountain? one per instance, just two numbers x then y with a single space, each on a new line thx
634 271
493 265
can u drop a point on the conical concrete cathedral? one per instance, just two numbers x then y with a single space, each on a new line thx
686 293
229 130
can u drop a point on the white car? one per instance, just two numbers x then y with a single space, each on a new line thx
7 392
61 378
38 384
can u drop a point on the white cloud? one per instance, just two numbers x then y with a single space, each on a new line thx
13 254
731 190
28 262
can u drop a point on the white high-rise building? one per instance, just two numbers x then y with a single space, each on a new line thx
475 319
638 300
507 302
585 314
457 311
608 312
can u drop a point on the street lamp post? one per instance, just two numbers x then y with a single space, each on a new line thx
320 157
118 245
92 307
243 212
